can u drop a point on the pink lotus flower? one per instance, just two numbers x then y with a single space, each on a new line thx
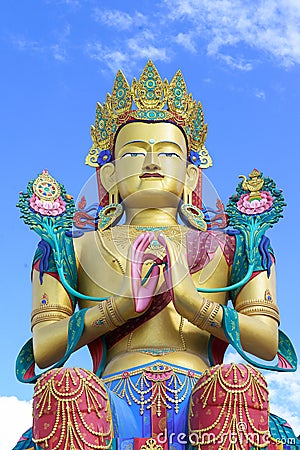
255 206
47 208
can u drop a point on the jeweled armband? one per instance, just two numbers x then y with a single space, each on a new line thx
258 306
49 312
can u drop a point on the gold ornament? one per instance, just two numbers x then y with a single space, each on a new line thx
156 100
151 445
194 215
254 183
109 215
46 187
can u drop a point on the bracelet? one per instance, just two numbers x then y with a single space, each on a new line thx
200 313
206 315
211 320
115 316
109 315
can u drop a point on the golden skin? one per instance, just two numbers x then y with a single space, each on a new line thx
158 148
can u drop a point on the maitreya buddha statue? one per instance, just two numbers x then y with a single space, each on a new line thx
146 283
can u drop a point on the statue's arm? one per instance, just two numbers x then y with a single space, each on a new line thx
258 320
50 322
258 316
258 324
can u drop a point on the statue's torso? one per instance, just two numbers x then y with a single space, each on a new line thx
160 333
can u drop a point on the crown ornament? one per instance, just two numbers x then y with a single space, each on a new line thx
156 101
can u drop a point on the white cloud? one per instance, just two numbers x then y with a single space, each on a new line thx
222 27
272 26
236 63
15 419
187 41
229 30
113 59
57 49
23 44
260 94
284 391
125 58
144 50
119 19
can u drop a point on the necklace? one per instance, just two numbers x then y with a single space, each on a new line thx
117 240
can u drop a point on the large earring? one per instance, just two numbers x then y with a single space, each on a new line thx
109 216
194 216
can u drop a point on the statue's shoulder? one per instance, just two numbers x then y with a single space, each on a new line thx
204 247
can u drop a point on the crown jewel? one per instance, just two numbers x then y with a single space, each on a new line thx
156 100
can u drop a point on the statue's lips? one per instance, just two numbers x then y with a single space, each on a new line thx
151 175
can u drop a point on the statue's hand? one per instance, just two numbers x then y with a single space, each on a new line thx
178 278
132 287
142 294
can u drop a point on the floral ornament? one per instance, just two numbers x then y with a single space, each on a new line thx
195 158
104 157
252 213
45 196
47 208
250 205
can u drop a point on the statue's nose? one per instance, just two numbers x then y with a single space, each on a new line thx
151 162
151 166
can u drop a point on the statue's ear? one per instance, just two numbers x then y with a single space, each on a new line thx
108 176
192 175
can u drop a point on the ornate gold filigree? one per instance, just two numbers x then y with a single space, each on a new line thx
156 100
151 445
151 391
262 306
109 315
64 391
46 187
247 385
254 183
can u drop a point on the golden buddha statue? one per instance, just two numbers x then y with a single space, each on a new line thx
161 273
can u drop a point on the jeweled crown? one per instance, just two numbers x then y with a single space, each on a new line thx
156 100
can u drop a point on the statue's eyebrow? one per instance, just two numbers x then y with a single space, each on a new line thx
145 145
169 142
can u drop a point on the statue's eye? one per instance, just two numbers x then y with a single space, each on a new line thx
132 154
169 154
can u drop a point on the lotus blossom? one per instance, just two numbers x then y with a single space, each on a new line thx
47 208
255 206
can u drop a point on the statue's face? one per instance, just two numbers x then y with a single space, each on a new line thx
150 157
150 163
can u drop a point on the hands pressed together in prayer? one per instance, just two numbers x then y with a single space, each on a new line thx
177 278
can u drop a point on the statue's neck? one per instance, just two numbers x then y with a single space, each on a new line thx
151 217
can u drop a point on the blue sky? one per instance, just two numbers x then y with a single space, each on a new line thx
58 57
